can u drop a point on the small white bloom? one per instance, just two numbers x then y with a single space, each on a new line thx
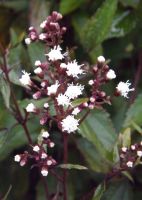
49 162
43 24
124 149
53 88
70 124
37 63
17 158
139 153
92 99
45 134
38 70
25 79
76 111
46 105
91 82
43 155
73 69
28 41
30 107
63 65
129 164
63 100
55 54
42 36
73 91
133 147
44 172
111 74
101 59
52 144
123 88
36 148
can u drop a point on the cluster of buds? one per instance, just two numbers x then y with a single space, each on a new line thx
130 157
60 83
51 32
39 155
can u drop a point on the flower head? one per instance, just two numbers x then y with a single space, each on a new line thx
63 100
42 36
129 164
30 107
36 148
37 63
111 74
73 91
123 88
73 69
101 59
53 88
139 153
44 172
38 70
45 134
55 54
69 124
28 41
76 111
17 158
25 79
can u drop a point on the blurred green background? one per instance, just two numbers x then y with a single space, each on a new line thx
112 28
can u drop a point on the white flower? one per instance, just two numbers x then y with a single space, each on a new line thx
124 149
38 70
46 105
42 36
69 124
133 147
73 69
44 172
123 88
43 24
101 59
73 91
43 155
45 134
37 63
129 164
63 100
91 82
63 65
139 153
53 88
17 158
30 107
76 111
25 79
49 162
52 144
55 54
28 41
36 148
111 74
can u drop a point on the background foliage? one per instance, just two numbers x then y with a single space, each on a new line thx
109 27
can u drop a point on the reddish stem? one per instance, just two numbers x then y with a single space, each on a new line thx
65 138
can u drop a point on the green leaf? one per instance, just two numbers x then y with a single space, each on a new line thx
5 91
73 166
134 113
122 24
36 52
118 190
93 158
99 192
79 101
98 129
16 137
97 28
67 6
126 137
132 3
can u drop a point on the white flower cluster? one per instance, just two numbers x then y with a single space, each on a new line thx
124 88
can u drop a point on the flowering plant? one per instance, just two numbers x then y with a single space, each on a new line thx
65 116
